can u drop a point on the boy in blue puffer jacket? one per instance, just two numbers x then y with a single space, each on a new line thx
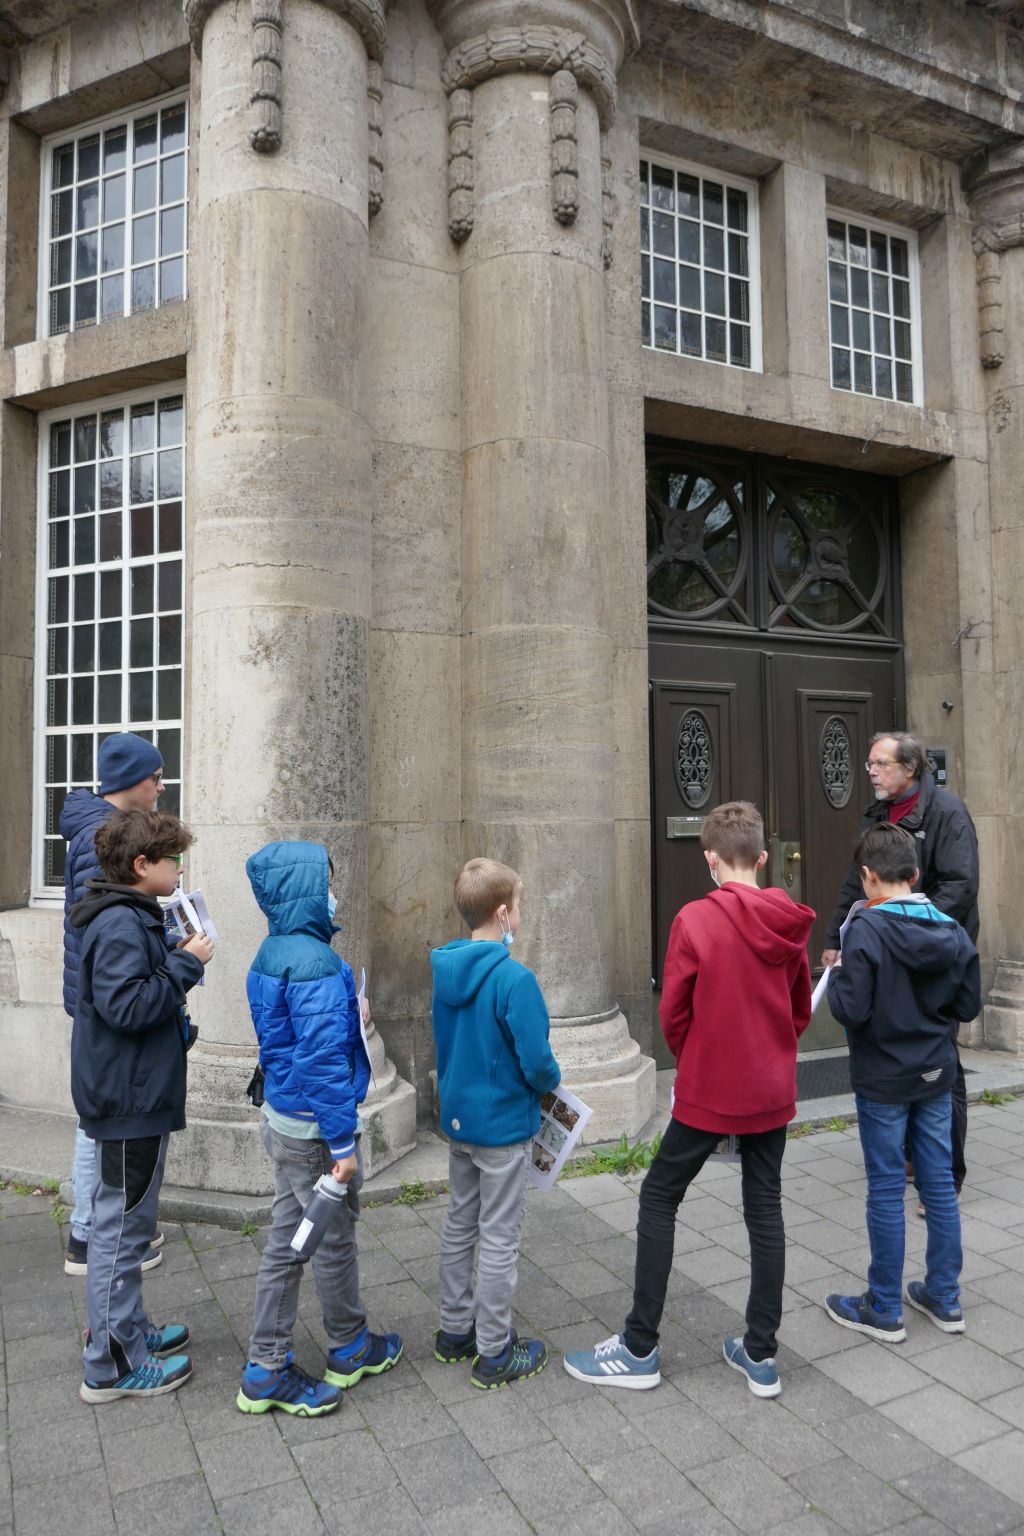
494 1064
306 1015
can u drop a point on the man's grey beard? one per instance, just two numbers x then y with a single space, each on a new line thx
880 794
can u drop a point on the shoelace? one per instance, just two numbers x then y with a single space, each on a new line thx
149 1374
608 1346
307 1384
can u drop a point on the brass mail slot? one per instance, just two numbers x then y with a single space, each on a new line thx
683 826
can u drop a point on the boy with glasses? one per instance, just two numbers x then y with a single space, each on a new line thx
131 772
128 1049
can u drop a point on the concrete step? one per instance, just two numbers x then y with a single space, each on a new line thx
36 1148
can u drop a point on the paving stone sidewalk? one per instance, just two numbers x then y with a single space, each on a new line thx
921 1438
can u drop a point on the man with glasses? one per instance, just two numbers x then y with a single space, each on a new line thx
131 774
907 795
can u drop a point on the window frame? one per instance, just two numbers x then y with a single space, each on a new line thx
847 217
752 190
41 894
127 116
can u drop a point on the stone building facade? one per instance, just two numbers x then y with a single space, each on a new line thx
502 426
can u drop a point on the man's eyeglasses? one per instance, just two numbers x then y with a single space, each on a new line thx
880 762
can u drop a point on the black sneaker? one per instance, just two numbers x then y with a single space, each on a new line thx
949 1319
75 1260
449 1348
520 1358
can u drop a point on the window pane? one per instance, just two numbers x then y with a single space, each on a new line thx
645 324
171 422
60 262
60 543
690 342
141 478
83 649
85 304
85 540
858 239
172 179
170 639
110 647
880 292
172 129
689 196
113 198
60 443
901 300
739 299
689 241
737 209
170 585
60 311
713 202
85 597
115 149
689 287
883 376
714 293
837 282
738 255
82 760
739 346
87 251
664 234
142 589
862 379
172 231
140 651
645 229
665 281
144 238
144 138
140 696
108 700
60 492
142 427
859 287
57 702
664 328
83 709
111 434
85 488
837 239
714 248
714 339
56 759
142 532
88 205
63 165
904 382
57 604
861 329
110 594
172 280
62 213
169 694
901 332
169 745
89 157
57 651
143 288
113 248
662 187
881 329
110 536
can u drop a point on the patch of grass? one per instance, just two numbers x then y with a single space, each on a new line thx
250 1228
837 1123
415 1192
991 1096
796 1131
625 1157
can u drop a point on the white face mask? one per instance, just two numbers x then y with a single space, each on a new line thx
713 871
332 905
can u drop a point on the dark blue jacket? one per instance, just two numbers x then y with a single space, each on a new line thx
494 1062
130 1035
303 999
909 977
80 819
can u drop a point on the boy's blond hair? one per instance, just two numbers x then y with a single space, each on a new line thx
481 887
735 831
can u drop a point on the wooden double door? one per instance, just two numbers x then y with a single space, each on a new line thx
780 709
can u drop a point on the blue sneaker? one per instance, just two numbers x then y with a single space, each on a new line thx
762 1375
861 1314
289 1389
450 1348
168 1339
151 1378
949 1319
612 1365
520 1358
369 1355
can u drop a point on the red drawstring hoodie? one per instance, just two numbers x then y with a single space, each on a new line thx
736 998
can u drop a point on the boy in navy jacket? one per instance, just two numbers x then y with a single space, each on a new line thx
493 1066
907 977
128 1048
305 1011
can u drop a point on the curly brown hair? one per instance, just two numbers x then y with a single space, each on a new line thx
127 835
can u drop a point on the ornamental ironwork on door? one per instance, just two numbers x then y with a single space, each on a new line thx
738 540
694 758
836 762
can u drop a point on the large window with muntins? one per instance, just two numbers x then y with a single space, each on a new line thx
874 319
110 613
114 218
699 260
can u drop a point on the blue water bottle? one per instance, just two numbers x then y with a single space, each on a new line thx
328 1194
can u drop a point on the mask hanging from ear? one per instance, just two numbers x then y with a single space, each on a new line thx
332 905
508 938
713 870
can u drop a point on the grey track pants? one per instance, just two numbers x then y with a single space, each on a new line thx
487 1206
126 1193
297 1166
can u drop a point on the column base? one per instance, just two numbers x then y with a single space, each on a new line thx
220 1148
1003 1013
604 1066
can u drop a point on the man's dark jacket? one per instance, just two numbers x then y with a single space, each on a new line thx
131 1031
83 815
909 977
947 856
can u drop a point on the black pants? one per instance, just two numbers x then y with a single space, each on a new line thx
959 1097
681 1156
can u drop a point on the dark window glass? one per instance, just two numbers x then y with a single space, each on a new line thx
169 694
83 709
140 652
142 531
108 700
110 594
170 639
140 696
170 585
169 744
110 647
142 589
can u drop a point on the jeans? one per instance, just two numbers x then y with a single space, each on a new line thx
487 1206
124 1206
681 1156
298 1163
883 1128
83 1177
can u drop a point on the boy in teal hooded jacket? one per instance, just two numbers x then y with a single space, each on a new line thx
494 1064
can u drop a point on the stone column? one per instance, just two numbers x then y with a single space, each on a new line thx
996 190
279 548
531 88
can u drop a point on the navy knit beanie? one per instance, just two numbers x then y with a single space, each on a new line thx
125 760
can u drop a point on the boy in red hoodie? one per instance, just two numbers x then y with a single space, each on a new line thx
736 998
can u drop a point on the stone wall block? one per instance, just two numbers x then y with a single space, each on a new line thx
544 319
539 702
37 1057
416 730
532 552
97 52
632 768
412 225
627 532
412 869
567 933
633 926
417 522
413 365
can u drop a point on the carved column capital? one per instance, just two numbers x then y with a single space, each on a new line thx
366 16
540 49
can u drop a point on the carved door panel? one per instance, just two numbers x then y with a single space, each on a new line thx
707 746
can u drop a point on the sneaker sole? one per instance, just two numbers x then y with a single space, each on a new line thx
495 1386
75 1267
111 1394
455 1359
298 1410
173 1349
951 1327
755 1386
157 1240
335 1378
632 1383
883 1335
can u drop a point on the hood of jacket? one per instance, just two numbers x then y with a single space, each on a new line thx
101 894
461 968
83 809
290 883
917 934
774 925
